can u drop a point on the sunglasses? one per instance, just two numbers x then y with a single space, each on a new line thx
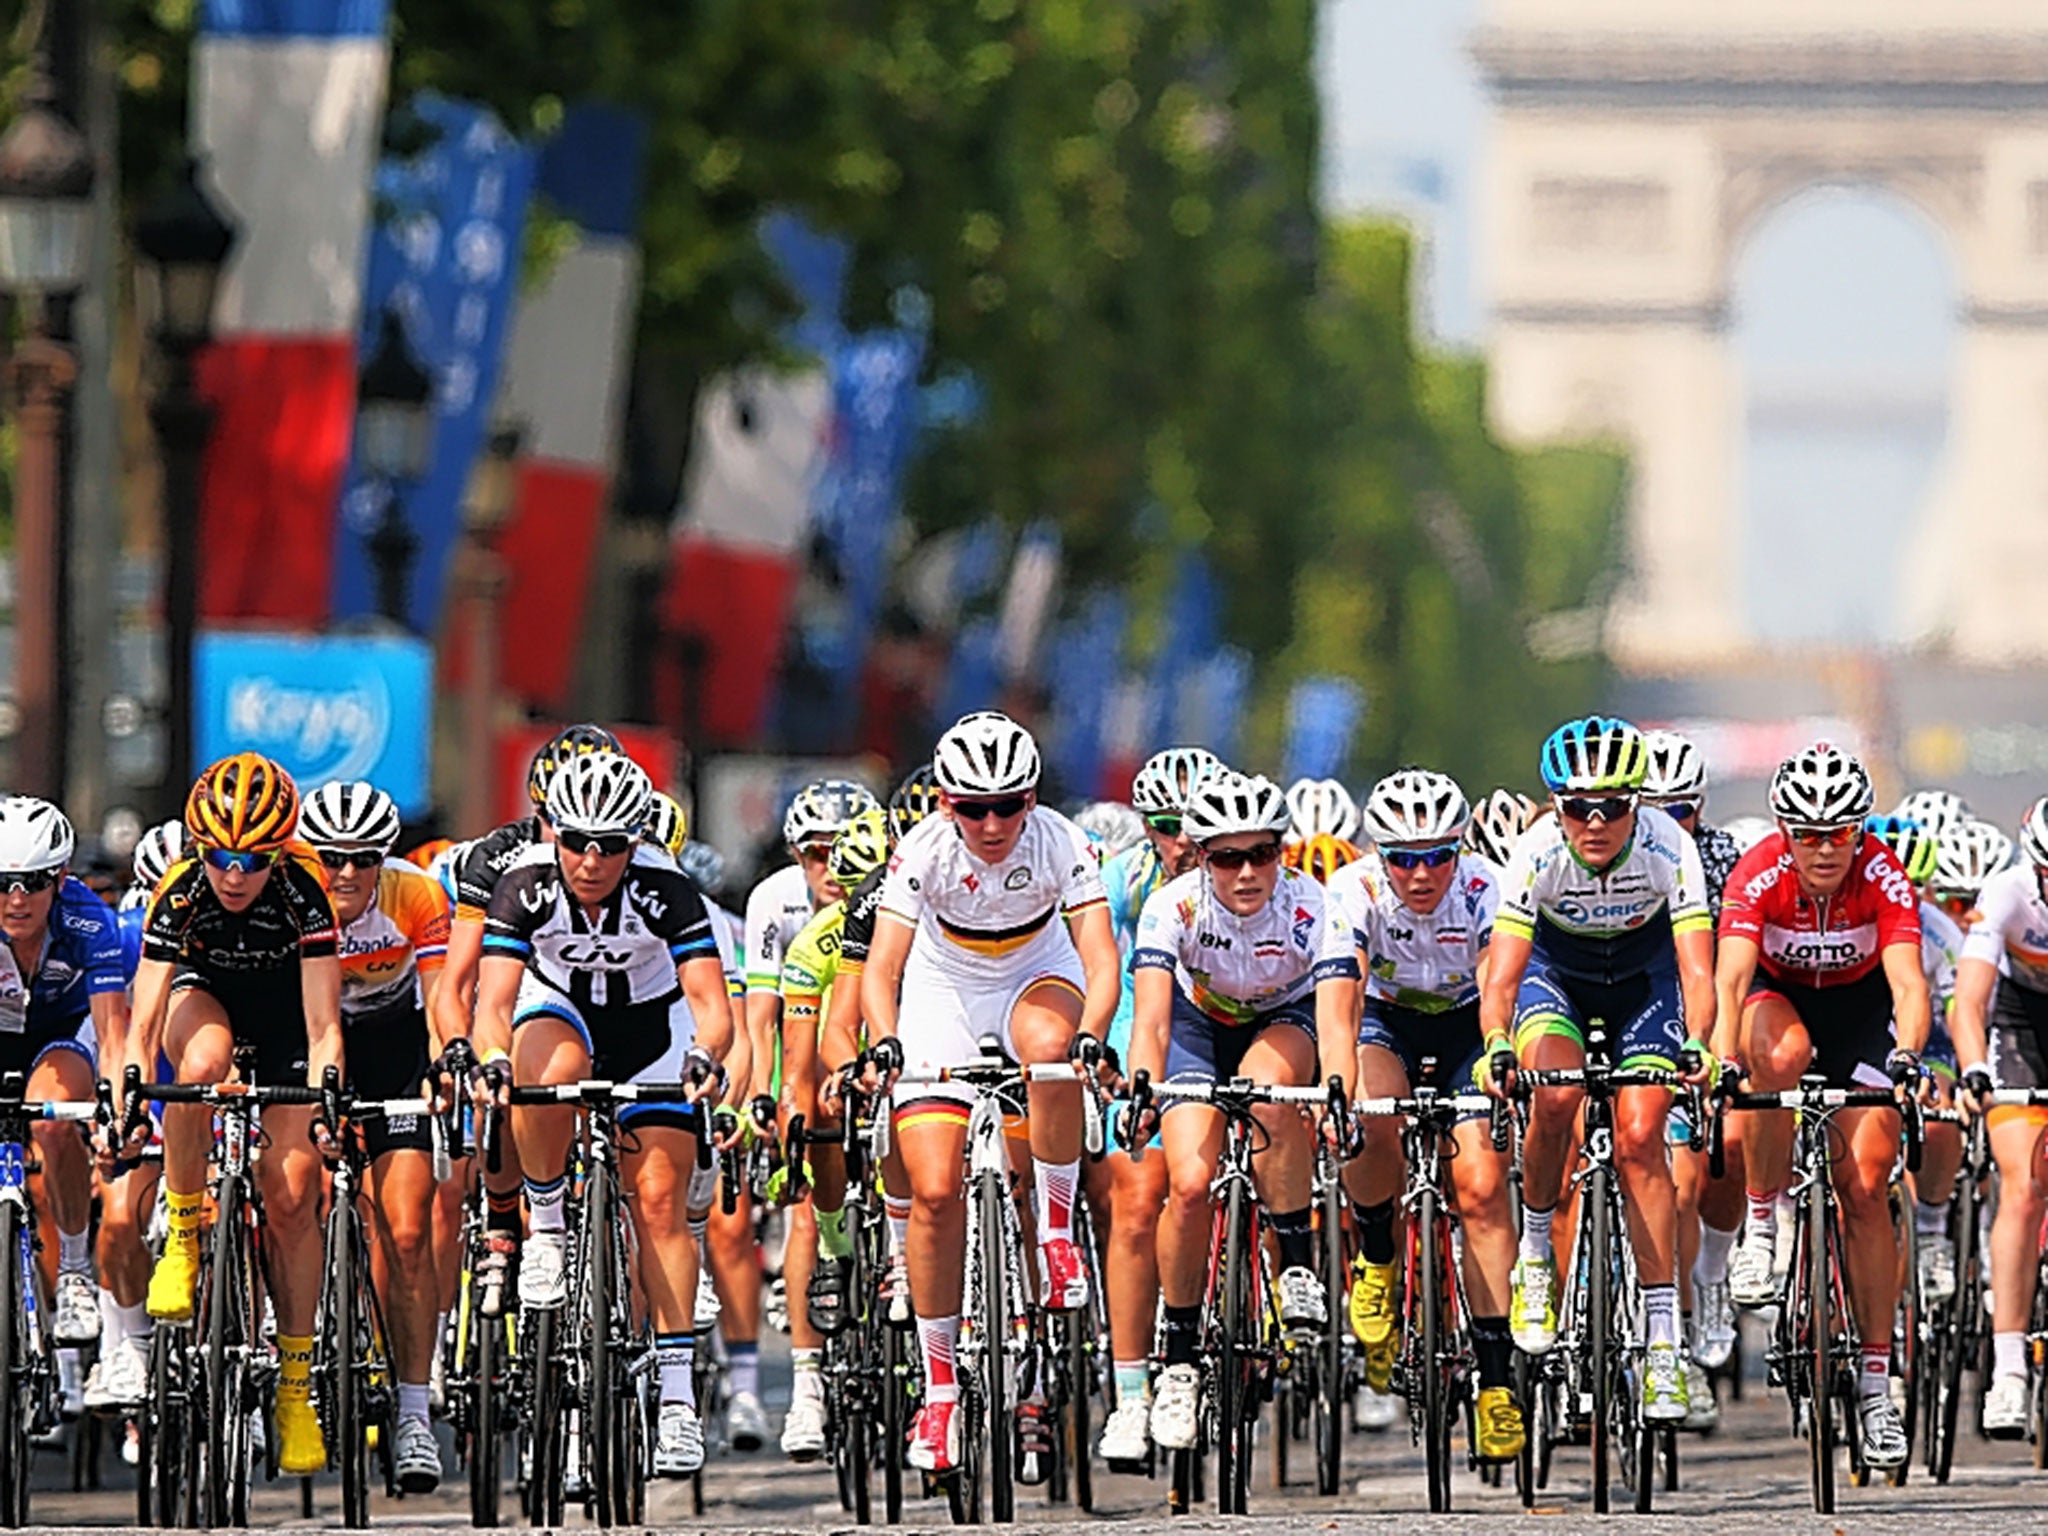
1236 858
351 858
1166 824
977 810
608 844
29 882
814 853
1681 810
1822 837
1607 807
247 861
1418 858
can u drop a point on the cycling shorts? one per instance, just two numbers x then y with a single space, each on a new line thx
947 1007
26 1049
2019 1046
1644 1015
1200 1049
386 1057
1850 1026
1436 1050
636 1043
265 1009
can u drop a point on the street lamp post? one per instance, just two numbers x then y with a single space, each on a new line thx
45 221
184 242
492 489
395 430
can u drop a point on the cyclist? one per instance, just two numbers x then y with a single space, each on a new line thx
776 912
1819 955
1422 938
1967 857
2005 1043
1940 811
394 919
599 961
818 1248
1129 1190
993 922
60 971
1603 914
667 826
1320 808
1498 821
1323 856
1242 969
240 949
1112 827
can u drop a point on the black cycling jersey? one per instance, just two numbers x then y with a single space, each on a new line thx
290 920
1719 854
857 932
628 953
485 863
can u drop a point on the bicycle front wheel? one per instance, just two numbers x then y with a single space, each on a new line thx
1599 1338
1236 1360
350 1441
484 1341
599 1410
14 1427
1436 1386
1820 1344
1329 1403
994 1326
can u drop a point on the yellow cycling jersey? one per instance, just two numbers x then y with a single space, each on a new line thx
811 964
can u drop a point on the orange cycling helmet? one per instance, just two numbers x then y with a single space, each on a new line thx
243 804
1323 855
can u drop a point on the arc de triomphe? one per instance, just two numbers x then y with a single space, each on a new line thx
1635 147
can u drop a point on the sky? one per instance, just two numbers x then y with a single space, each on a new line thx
1840 294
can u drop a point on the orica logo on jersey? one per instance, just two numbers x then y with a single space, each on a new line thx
320 734
1604 914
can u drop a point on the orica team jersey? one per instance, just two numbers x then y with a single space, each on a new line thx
81 958
1941 945
1610 924
627 952
2010 929
1236 968
777 910
1427 962
390 952
1828 941
980 914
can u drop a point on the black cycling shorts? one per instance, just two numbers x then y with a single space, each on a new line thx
386 1056
1850 1025
266 1009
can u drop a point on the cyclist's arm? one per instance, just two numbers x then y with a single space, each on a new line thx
839 1042
1337 1008
497 989
1695 948
320 988
1151 1019
1976 980
1508 957
764 1022
1102 964
1912 1013
1734 969
110 1029
451 1001
881 979
703 979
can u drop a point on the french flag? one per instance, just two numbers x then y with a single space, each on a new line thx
287 101
572 347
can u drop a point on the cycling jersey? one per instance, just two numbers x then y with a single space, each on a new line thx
129 919
777 910
812 965
1719 854
978 914
1941 945
80 959
1833 941
481 864
2010 929
1235 969
857 928
1604 926
396 945
1426 962
1130 879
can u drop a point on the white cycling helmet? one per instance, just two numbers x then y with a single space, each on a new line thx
1821 786
1677 771
1748 831
600 794
156 851
354 814
1162 786
1234 802
1415 805
34 835
1967 856
1321 808
985 754
1112 825
2033 838
821 811
1940 811
704 864
1498 821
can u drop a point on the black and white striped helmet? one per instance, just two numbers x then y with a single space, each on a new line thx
1677 771
986 754
598 794
1235 802
1162 786
351 814
1498 821
1968 855
822 810
1415 805
1320 808
34 835
156 851
1940 811
1820 786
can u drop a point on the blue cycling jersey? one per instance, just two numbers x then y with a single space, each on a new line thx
130 920
81 958
1130 877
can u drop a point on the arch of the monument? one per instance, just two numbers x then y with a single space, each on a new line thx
1635 147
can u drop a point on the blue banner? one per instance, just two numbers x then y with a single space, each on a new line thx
445 256
974 679
1187 640
1212 695
326 707
1322 712
1081 666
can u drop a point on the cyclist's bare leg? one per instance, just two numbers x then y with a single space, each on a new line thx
1479 1180
291 1175
1283 1056
658 1174
1941 1155
402 1200
201 1047
1778 1049
1042 1028
1553 1112
1374 1176
1126 1194
1191 1136
546 1049
735 1262
934 1152
63 1190
448 1250
1721 1203
799 1262
1688 1177
1870 1243
123 1256
1643 1164
2016 1230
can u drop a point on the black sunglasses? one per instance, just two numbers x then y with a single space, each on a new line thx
351 858
976 810
30 882
1258 856
608 844
1607 807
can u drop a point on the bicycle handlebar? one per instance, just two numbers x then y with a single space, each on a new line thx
593 1092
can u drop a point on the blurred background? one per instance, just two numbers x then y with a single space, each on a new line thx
1335 384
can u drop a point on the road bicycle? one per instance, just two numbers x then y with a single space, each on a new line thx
1958 1330
480 1348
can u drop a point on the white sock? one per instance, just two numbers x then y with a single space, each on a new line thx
1876 1377
1056 1185
134 1321
673 1355
412 1401
1536 1233
74 1253
1763 1213
545 1203
1660 1314
1711 1267
110 1316
1930 1220
807 1374
936 1337
2009 1355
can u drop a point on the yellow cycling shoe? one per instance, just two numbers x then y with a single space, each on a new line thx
1373 1319
301 1451
1497 1425
174 1280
